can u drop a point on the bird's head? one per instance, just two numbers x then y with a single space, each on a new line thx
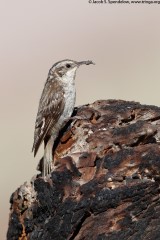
67 68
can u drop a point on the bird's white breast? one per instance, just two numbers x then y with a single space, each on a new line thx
69 96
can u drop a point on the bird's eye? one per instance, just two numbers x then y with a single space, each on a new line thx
68 65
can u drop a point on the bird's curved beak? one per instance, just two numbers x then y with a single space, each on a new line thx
85 62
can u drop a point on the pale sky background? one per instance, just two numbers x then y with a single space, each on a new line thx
123 40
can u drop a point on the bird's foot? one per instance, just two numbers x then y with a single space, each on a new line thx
44 166
76 118
47 167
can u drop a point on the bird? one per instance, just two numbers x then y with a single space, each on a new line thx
56 105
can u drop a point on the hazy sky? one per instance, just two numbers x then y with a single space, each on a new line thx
122 39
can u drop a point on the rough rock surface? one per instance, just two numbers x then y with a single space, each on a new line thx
106 181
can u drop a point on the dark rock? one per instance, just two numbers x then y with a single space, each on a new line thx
105 184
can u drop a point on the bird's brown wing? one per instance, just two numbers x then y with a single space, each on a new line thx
50 109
